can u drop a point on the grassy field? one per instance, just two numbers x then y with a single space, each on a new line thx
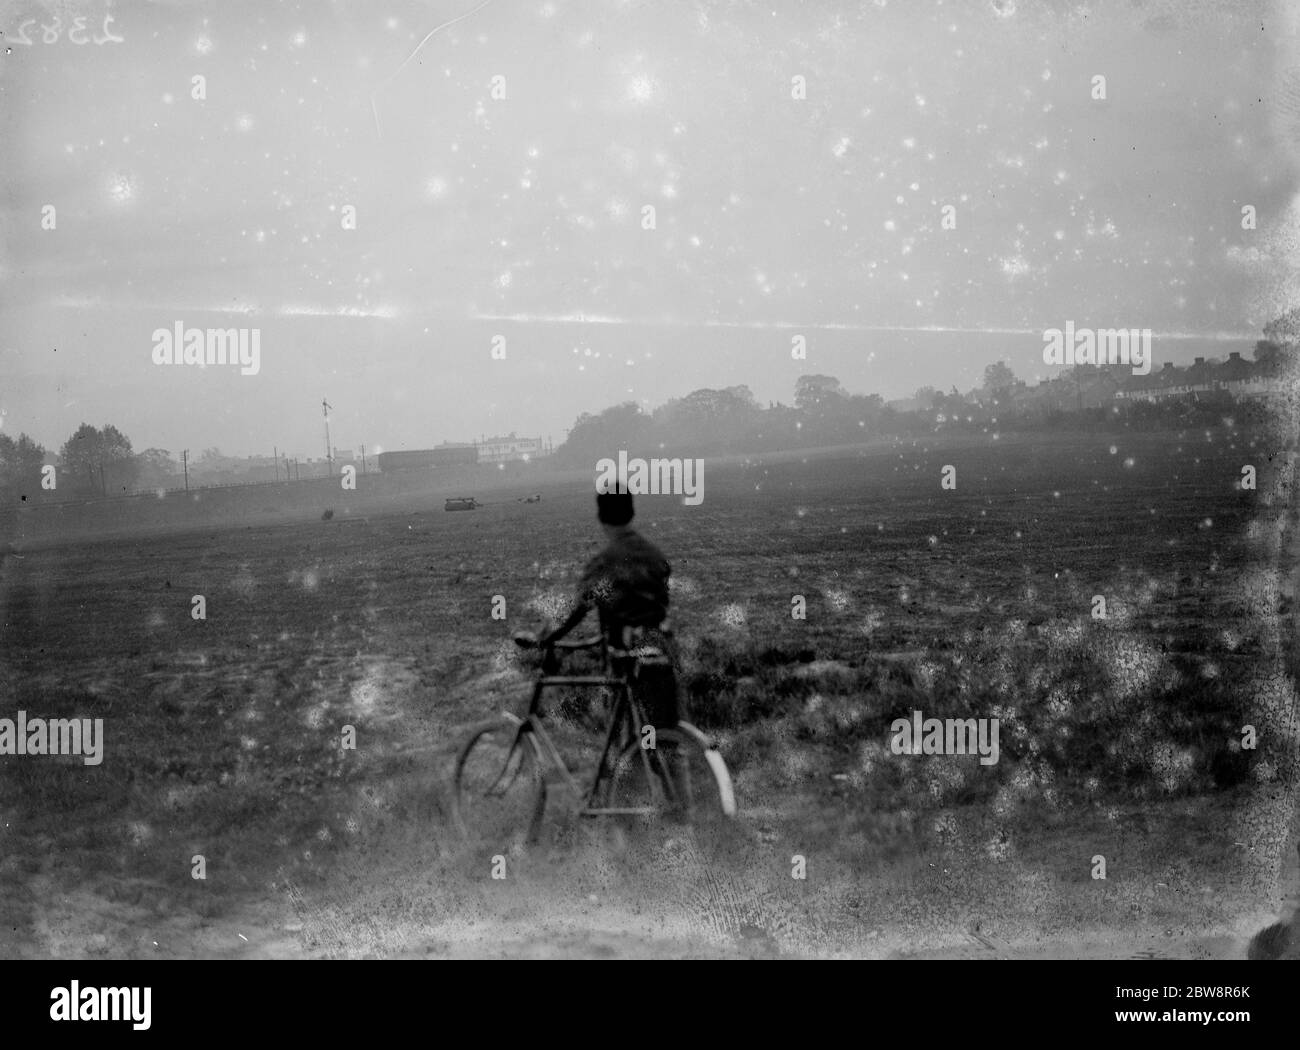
222 735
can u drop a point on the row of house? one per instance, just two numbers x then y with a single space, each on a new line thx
1103 386
1237 376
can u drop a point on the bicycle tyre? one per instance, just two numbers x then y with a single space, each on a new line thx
497 789
695 771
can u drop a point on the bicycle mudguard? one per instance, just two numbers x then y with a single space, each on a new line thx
714 758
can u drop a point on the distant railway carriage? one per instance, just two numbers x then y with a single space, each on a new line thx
462 503
465 456
428 458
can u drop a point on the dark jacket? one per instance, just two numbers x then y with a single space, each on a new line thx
627 581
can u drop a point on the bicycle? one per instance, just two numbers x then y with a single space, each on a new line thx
508 766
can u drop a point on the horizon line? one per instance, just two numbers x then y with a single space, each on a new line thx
390 313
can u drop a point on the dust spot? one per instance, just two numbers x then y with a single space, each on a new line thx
550 605
838 600
732 615
1173 766
366 694
872 623
683 585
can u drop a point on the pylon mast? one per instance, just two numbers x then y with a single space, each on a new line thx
329 455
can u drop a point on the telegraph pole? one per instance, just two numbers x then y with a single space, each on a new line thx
185 462
363 459
329 455
275 459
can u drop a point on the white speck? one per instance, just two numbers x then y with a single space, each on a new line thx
1015 266
641 89
121 188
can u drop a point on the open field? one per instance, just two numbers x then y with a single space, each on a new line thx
222 735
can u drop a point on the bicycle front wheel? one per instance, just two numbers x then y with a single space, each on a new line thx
498 792
682 778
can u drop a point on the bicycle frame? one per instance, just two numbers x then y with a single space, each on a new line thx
627 714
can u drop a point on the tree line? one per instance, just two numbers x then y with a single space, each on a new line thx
94 461
100 461
729 420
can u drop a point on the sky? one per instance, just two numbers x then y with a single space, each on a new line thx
499 156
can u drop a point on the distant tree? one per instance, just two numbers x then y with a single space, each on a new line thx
20 464
707 419
155 468
998 376
924 396
1284 330
865 411
817 392
98 461
952 403
621 428
1270 356
742 396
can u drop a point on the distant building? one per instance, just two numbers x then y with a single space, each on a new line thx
510 447
444 455
1235 376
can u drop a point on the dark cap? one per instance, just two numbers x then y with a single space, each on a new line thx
614 508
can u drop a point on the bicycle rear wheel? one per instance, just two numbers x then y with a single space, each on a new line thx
687 780
498 793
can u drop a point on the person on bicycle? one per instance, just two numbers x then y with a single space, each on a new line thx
627 584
